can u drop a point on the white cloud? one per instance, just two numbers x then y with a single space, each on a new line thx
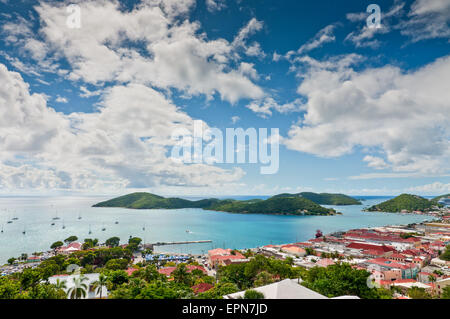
264 107
375 162
61 99
215 5
123 144
428 19
323 36
433 188
404 115
176 54
235 119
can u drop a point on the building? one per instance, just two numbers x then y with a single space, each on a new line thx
167 271
223 257
286 289
293 250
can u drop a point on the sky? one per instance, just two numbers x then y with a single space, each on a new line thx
89 105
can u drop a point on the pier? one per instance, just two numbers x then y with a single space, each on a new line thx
150 246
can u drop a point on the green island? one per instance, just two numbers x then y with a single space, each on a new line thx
438 198
276 205
404 202
325 198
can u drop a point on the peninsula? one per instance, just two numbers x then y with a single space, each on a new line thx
276 205
404 202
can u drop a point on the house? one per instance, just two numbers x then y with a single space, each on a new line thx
70 248
293 250
325 262
223 257
167 271
202 287
440 285
285 289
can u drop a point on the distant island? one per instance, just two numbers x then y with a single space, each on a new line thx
325 198
276 205
404 202
442 197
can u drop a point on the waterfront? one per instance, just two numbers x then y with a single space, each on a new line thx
239 231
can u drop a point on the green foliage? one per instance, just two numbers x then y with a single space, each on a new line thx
403 202
219 291
113 241
446 293
418 293
253 294
70 239
11 260
325 198
446 254
341 279
246 274
117 264
57 244
274 205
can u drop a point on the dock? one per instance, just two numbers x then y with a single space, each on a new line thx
150 246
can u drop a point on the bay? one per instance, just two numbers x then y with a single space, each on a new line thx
35 215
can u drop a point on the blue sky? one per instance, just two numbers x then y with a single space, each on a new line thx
361 111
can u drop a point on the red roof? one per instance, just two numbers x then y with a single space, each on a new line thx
130 271
202 287
168 270
382 248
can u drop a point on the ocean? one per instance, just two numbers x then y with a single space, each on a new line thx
36 214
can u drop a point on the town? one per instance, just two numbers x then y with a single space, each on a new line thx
399 262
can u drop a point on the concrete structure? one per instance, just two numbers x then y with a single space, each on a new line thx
286 289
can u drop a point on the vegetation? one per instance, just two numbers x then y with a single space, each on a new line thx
446 254
274 205
406 202
325 198
253 294
438 198
341 279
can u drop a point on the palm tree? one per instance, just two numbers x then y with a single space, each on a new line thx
99 284
79 288
431 278
61 284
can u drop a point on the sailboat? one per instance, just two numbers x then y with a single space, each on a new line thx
24 232
64 226
143 228
2 229
103 227
56 216
90 232
79 216
116 222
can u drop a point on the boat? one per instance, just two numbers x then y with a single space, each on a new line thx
103 228
188 231
56 216
90 232
52 224
15 218
143 228
64 226
116 222
24 232
79 216
9 221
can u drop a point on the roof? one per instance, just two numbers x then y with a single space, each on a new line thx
130 271
382 248
285 289
168 270
202 287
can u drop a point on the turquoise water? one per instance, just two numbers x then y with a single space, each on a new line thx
225 230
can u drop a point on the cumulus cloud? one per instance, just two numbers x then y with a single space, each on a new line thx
152 44
404 115
427 19
263 108
375 162
215 5
433 188
124 144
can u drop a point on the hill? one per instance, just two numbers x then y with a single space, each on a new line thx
406 202
438 198
152 201
279 205
325 198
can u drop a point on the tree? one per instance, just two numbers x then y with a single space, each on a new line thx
446 293
61 284
11 260
253 294
418 293
79 289
70 239
116 264
113 241
56 245
181 275
99 284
